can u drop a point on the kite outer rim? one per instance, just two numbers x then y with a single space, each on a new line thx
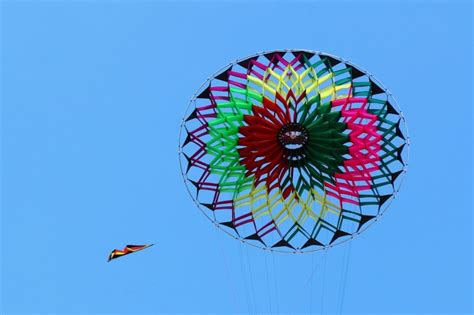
347 62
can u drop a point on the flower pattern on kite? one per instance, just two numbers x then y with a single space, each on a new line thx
293 150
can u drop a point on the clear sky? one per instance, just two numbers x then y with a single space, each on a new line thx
92 96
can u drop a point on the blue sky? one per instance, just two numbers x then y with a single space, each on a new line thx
92 94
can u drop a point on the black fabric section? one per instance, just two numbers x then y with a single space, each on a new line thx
391 109
384 199
356 73
245 63
311 242
208 205
331 61
398 131
192 115
255 237
395 176
283 243
375 89
229 224
224 75
364 219
399 153
205 93
338 234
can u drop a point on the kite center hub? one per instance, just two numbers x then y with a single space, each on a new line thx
293 136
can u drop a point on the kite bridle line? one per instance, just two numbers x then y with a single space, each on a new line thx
371 77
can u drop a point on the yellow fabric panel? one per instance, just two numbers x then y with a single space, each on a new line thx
297 210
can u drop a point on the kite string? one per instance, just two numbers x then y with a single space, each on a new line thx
311 285
268 282
347 255
244 278
313 271
324 279
252 293
314 267
341 280
228 273
276 284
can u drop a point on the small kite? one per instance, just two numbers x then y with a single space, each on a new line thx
128 249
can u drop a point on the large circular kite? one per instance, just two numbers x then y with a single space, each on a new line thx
293 150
